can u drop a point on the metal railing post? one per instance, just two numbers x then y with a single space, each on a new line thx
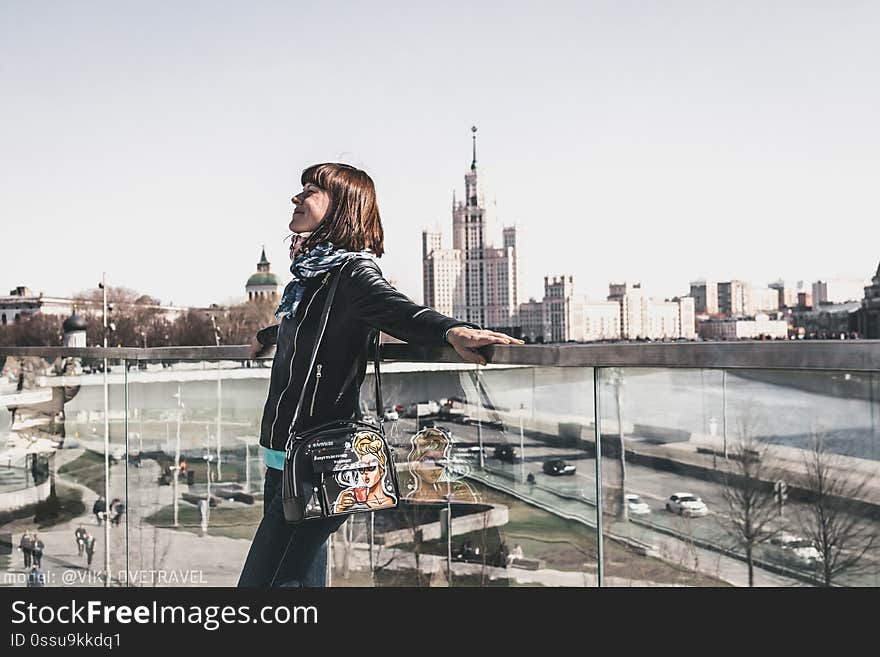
127 502
597 432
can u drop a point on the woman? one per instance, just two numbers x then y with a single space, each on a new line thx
335 220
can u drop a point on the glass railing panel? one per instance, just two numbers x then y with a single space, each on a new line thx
817 436
196 469
727 444
472 442
57 426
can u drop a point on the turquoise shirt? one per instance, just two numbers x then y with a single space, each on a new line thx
274 458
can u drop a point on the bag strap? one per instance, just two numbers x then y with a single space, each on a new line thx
322 324
380 408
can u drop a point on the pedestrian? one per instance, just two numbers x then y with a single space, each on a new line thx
337 231
116 511
99 508
36 578
26 546
89 543
517 552
38 551
80 535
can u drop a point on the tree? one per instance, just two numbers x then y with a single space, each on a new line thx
748 493
136 317
37 330
241 322
829 516
192 328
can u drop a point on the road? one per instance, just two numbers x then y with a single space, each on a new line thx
654 486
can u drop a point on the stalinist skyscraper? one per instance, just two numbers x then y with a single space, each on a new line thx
473 280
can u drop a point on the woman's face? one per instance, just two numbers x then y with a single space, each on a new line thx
310 208
372 472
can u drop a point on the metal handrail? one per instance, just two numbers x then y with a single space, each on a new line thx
839 355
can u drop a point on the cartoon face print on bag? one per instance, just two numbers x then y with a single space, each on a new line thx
433 474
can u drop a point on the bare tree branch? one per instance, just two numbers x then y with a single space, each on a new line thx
829 517
751 508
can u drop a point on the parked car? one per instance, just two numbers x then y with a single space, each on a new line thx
558 467
797 549
505 452
635 504
391 415
686 504
422 408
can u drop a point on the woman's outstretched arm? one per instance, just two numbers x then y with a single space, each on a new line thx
374 301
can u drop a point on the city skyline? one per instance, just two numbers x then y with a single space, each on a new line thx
624 143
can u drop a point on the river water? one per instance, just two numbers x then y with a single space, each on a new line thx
689 400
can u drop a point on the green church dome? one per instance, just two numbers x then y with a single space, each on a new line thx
263 278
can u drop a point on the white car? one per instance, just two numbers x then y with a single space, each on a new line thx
797 549
634 504
391 415
686 504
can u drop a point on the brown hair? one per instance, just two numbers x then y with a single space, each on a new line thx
352 220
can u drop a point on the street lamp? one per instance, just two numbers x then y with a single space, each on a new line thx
175 469
219 398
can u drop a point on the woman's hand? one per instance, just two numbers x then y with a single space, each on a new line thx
466 341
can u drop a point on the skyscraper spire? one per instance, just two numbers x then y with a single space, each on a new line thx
474 136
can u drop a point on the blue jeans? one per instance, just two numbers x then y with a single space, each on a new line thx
283 554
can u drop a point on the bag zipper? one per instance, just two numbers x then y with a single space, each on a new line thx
292 357
315 391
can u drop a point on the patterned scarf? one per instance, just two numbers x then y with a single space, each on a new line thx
308 264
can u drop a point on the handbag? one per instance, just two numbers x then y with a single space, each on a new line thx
341 466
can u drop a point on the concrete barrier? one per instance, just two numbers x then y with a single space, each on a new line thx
493 517
17 499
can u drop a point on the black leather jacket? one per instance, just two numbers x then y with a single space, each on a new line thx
364 302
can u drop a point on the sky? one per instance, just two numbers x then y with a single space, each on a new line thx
657 142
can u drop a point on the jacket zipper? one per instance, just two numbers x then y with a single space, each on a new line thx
292 357
318 343
315 391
